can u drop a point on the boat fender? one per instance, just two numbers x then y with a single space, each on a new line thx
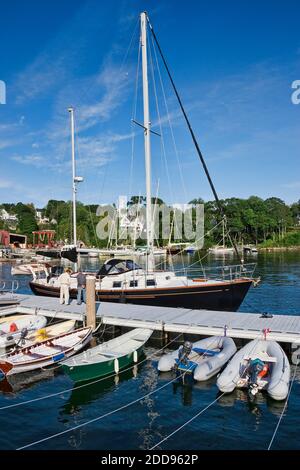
13 327
135 356
116 366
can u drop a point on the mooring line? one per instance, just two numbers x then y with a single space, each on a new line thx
98 418
187 422
33 400
283 410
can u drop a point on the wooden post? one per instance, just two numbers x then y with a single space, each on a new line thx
91 301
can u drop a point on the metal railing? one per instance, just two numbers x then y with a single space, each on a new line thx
229 273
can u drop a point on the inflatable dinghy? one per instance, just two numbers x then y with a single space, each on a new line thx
203 359
260 365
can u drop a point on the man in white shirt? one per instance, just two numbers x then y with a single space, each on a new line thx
65 280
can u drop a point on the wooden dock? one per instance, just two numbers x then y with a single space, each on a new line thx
283 328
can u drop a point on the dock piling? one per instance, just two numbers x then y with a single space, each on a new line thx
91 301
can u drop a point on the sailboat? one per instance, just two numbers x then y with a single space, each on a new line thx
222 249
123 280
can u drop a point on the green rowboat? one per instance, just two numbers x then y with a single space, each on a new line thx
107 358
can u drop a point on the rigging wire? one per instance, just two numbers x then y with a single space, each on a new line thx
283 410
169 120
133 118
163 148
220 206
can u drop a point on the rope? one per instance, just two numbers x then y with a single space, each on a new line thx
14 405
110 412
198 414
98 418
283 410
187 422
200 155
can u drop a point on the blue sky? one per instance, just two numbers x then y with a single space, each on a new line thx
233 63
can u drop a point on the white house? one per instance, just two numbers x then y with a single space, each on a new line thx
40 218
4 215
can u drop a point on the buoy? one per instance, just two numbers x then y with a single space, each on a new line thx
116 366
135 356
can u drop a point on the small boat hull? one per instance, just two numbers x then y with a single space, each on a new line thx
13 363
95 371
108 358
202 366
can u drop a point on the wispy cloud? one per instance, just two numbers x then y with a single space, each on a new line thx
35 160
291 185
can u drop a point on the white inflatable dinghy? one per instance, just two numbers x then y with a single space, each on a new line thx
260 365
203 358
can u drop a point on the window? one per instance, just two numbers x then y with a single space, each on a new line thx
151 282
133 284
117 284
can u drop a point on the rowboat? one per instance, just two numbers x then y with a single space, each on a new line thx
203 359
45 353
108 358
260 365
12 331
50 331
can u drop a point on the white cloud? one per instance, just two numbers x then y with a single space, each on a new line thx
35 160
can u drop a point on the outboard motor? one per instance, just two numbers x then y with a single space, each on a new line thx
184 352
256 368
21 342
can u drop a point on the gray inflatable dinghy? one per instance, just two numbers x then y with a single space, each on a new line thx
260 365
203 358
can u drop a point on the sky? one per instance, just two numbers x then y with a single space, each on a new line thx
233 63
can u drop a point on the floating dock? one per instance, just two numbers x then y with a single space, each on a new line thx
247 326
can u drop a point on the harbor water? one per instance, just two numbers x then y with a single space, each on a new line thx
233 422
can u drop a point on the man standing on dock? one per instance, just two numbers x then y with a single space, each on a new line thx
81 285
64 280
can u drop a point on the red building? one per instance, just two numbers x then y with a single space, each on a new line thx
12 239
43 238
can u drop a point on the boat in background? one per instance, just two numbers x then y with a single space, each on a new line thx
109 357
222 249
29 269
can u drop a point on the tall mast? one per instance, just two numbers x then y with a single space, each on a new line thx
71 111
75 179
147 131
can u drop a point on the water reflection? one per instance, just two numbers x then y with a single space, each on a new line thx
255 404
15 383
90 391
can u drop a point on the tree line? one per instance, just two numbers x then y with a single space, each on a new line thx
253 220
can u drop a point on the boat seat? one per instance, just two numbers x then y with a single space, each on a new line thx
263 356
207 352
109 354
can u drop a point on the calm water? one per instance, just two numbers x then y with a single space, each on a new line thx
231 423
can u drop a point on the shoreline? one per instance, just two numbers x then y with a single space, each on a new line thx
279 248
